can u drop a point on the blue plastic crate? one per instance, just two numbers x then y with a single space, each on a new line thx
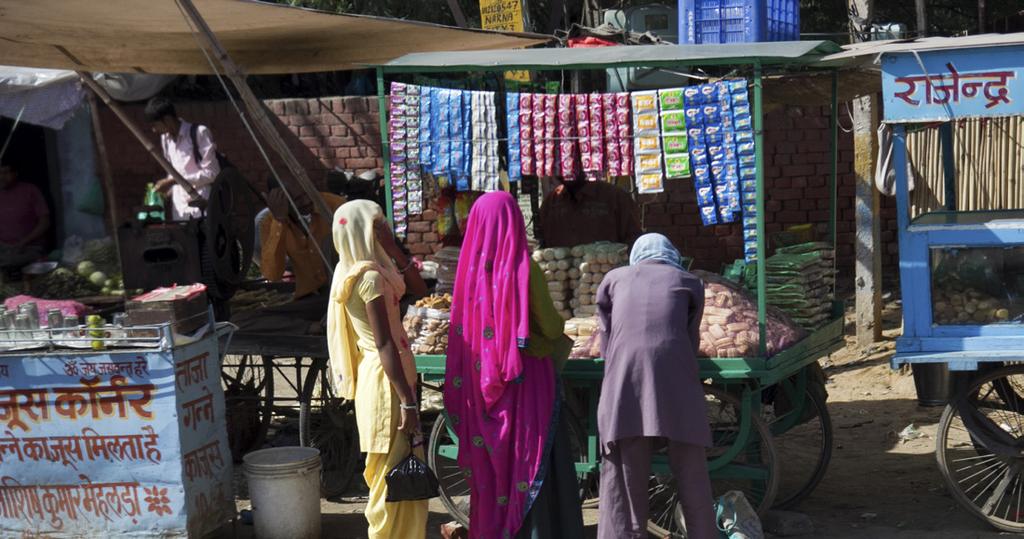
738 21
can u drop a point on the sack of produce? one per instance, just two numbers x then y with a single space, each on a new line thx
729 327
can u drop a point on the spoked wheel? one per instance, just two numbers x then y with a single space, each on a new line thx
248 383
803 440
443 452
742 458
331 428
989 485
442 455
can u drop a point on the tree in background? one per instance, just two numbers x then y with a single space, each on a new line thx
945 17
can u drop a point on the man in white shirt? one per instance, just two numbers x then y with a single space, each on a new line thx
190 150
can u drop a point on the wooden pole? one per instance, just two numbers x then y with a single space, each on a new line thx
255 108
86 78
922 18
106 176
460 17
867 203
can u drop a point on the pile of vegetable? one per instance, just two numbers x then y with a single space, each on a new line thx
955 304
729 327
63 283
594 261
558 272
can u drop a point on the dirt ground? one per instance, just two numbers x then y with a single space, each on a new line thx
877 486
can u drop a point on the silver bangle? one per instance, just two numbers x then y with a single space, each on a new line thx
413 406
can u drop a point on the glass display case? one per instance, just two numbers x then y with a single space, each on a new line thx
977 285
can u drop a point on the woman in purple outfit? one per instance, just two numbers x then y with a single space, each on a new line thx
650 317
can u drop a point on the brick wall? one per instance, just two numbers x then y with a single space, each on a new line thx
323 133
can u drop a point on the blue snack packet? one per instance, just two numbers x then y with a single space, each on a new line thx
749 235
741 109
749 197
698 157
708 215
721 90
736 85
746 148
715 152
692 96
705 195
742 123
748 185
708 93
748 173
744 136
741 98
750 210
749 222
725 214
694 116
712 114
728 121
747 160
701 173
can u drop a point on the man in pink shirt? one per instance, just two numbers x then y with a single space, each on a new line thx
190 150
24 220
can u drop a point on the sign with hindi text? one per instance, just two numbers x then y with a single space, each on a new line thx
943 85
104 444
504 15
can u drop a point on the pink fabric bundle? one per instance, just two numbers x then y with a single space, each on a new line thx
566 136
526 155
550 134
67 307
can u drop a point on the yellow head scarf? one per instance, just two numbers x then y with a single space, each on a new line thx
358 252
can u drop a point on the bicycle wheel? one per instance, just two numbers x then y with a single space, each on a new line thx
331 427
803 443
753 470
989 486
442 455
248 383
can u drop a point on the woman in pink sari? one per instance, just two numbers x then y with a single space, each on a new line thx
502 393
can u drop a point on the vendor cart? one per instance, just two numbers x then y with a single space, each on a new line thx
117 430
775 457
961 270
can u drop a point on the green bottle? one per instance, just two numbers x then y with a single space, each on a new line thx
152 200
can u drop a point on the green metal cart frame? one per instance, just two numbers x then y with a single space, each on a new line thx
739 381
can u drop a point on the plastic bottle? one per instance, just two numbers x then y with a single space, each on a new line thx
152 200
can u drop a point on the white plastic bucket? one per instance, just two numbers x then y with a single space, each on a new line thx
284 487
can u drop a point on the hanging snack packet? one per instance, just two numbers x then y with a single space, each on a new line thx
595 108
692 96
670 99
566 132
550 134
675 143
677 165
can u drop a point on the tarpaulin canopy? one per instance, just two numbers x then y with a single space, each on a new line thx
782 52
144 36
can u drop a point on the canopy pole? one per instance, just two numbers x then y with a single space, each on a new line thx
86 78
762 282
256 109
385 144
833 178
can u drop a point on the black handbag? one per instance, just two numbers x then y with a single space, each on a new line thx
411 479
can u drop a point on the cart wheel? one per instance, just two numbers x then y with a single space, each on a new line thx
442 455
331 428
249 401
803 443
753 471
990 486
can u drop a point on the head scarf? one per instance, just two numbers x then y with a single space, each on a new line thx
490 303
358 252
655 247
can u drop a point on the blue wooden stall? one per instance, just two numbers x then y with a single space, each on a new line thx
962 276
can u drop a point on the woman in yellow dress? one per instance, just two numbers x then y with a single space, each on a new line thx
371 362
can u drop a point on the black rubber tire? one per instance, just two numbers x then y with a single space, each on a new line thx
330 426
239 396
789 496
